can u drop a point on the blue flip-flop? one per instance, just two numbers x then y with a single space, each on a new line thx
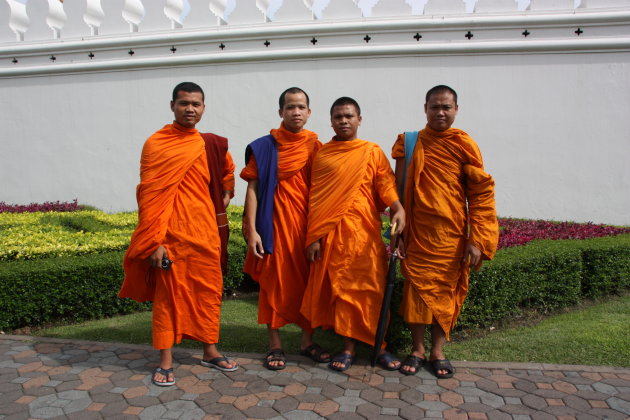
164 372
214 363
344 358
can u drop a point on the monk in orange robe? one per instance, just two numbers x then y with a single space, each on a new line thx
351 183
173 257
452 226
278 181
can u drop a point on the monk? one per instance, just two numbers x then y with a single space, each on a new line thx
351 184
451 225
278 181
173 257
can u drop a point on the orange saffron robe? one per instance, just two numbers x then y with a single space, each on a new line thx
283 275
351 183
447 194
175 210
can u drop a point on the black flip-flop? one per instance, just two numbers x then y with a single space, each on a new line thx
413 362
314 352
275 355
442 364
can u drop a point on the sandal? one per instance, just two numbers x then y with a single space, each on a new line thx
386 359
314 352
414 362
442 364
346 359
165 373
275 355
215 363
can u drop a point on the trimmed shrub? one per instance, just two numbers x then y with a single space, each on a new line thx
543 275
73 289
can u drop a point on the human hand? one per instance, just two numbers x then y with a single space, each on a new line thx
254 244
472 255
226 198
400 249
314 252
155 259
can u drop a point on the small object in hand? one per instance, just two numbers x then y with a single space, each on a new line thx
166 263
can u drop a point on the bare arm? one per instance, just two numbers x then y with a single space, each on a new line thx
254 242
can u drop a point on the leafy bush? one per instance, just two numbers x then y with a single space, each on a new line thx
44 235
39 207
73 288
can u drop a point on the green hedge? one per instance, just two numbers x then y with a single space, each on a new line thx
64 288
76 288
543 275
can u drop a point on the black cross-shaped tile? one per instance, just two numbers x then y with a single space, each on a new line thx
579 32
417 36
14 61
131 52
222 46
314 41
173 49
367 39
53 58
267 43
469 35
91 55
526 33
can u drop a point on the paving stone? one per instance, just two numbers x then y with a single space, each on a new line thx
604 388
619 405
368 410
411 396
604 413
411 412
285 404
515 409
498 415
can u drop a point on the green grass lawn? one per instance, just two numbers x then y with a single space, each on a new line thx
595 334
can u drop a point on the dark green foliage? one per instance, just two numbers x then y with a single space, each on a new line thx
236 257
74 289
543 275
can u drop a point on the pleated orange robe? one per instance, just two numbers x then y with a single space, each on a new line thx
283 274
175 210
447 193
351 183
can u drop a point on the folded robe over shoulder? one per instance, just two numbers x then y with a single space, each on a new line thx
447 193
351 183
282 275
175 210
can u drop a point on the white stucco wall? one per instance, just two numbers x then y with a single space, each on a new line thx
553 129
553 126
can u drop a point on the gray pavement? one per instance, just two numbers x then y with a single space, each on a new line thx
44 378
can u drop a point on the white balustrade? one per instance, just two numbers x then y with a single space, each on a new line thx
342 9
391 8
94 16
133 12
37 20
200 15
444 7
294 11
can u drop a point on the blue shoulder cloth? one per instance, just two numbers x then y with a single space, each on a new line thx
411 138
266 153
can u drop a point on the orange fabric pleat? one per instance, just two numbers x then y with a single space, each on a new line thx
352 182
282 275
175 210
446 191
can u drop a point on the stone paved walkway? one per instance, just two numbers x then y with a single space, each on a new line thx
42 378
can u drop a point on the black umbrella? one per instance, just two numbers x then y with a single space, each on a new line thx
383 318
